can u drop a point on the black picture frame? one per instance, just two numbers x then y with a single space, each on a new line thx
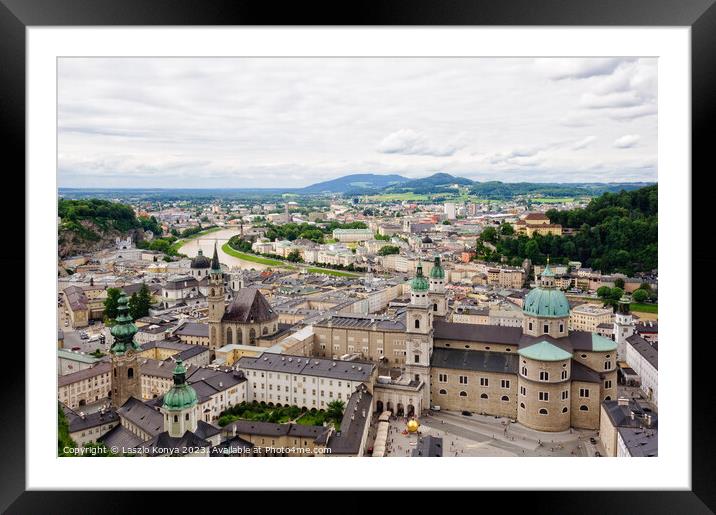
700 15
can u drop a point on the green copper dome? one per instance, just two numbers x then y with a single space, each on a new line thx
419 282
181 395
124 329
546 300
437 272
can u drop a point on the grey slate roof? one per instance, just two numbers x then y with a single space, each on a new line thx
79 423
103 367
120 436
641 443
321 367
476 333
475 360
582 372
353 424
643 347
249 306
193 329
145 417
161 442
253 427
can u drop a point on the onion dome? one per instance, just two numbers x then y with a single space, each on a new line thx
437 272
200 261
124 329
419 282
545 300
181 396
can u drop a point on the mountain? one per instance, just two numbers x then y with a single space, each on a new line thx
360 182
436 183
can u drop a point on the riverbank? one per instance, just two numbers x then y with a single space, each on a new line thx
181 242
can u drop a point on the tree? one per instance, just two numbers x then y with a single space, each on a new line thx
640 295
603 292
506 229
388 250
335 410
619 283
294 256
111 303
447 222
489 234
140 302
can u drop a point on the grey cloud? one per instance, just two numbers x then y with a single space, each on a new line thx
409 142
627 141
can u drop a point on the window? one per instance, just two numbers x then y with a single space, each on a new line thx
584 392
130 372
483 396
176 418
543 376
607 365
523 390
524 371
484 381
462 379
505 398
561 328
443 378
565 395
544 396
564 410
607 384
417 358
417 323
443 392
564 374
543 411
546 328
583 407
504 383
463 393
522 405
530 326
187 417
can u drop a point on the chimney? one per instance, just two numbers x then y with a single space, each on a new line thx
622 401
631 414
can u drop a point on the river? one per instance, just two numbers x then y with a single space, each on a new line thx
206 244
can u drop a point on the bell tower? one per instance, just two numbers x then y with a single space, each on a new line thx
436 293
623 326
216 303
125 378
419 333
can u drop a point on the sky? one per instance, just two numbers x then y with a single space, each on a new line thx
292 122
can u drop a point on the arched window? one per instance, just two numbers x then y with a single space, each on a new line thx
435 306
529 326
564 410
265 330
186 417
543 411
417 323
524 371
443 392
229 336
483 396
130 372
505 398
463 394
561 328
564 374
252 336
583 407
176 418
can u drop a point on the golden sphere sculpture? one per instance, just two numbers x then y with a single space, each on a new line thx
413 425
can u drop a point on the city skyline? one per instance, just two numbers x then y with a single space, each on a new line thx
264 122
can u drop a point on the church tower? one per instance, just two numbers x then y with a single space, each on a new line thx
125 378
623 327
180 405
216 302
419 333
436 293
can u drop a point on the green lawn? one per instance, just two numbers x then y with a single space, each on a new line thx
251 257
316 419
645 308
551 200
398 196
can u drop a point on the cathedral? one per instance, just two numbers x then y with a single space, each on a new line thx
541 374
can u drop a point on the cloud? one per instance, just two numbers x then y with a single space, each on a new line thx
560 69
583 143
410 142
620 99
627 141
